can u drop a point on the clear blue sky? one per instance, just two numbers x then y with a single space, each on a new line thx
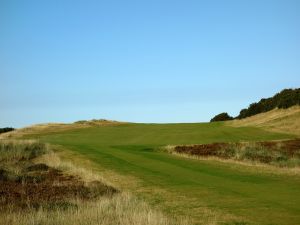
143 61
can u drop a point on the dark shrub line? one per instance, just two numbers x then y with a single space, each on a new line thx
280 153
6 129
282 100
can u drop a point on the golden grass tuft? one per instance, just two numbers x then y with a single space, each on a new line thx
57 127
54 161
121 209
237 157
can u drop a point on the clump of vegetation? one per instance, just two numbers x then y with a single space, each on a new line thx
6 129
280 153
81 122
221 117
15 151
97 122
32 192
119 209
283 99
26 184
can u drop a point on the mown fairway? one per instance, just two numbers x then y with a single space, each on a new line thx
190 186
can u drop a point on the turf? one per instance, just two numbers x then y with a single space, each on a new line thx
190 185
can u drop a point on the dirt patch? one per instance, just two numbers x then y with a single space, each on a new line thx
50 187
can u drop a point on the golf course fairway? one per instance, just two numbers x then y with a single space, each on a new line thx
229 193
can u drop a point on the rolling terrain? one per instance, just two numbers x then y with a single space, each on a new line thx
206 191
132 158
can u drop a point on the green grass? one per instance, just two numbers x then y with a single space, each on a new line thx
190 187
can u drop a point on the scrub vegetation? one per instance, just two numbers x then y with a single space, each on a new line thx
6 129
276 153
36 187
282 100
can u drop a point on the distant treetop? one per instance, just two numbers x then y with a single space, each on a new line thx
221 117
6 129
283 100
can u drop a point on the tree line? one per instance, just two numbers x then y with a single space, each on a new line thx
282 100
6 129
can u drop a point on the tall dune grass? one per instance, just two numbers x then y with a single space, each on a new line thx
13 150
122 209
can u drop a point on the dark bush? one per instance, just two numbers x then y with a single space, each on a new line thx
6 129
283 99
221 117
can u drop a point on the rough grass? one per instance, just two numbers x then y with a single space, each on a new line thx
279 120
121 209
15 156
66 194
14 151
277 153
58 127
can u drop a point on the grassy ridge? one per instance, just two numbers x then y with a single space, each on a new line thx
185 186
277 120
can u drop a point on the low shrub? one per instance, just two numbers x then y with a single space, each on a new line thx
280 153
221 117
6 129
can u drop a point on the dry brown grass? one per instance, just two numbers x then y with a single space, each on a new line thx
57 127
247 165
278 120
121 208
236 158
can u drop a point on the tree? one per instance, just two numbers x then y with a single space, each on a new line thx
221 117
6 129
284 99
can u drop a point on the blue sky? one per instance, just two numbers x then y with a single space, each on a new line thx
143 61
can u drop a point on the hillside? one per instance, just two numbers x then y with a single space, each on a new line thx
206 191
278 120
57 127
181 186
283 100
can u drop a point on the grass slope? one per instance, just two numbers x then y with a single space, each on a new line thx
186 186
278 120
